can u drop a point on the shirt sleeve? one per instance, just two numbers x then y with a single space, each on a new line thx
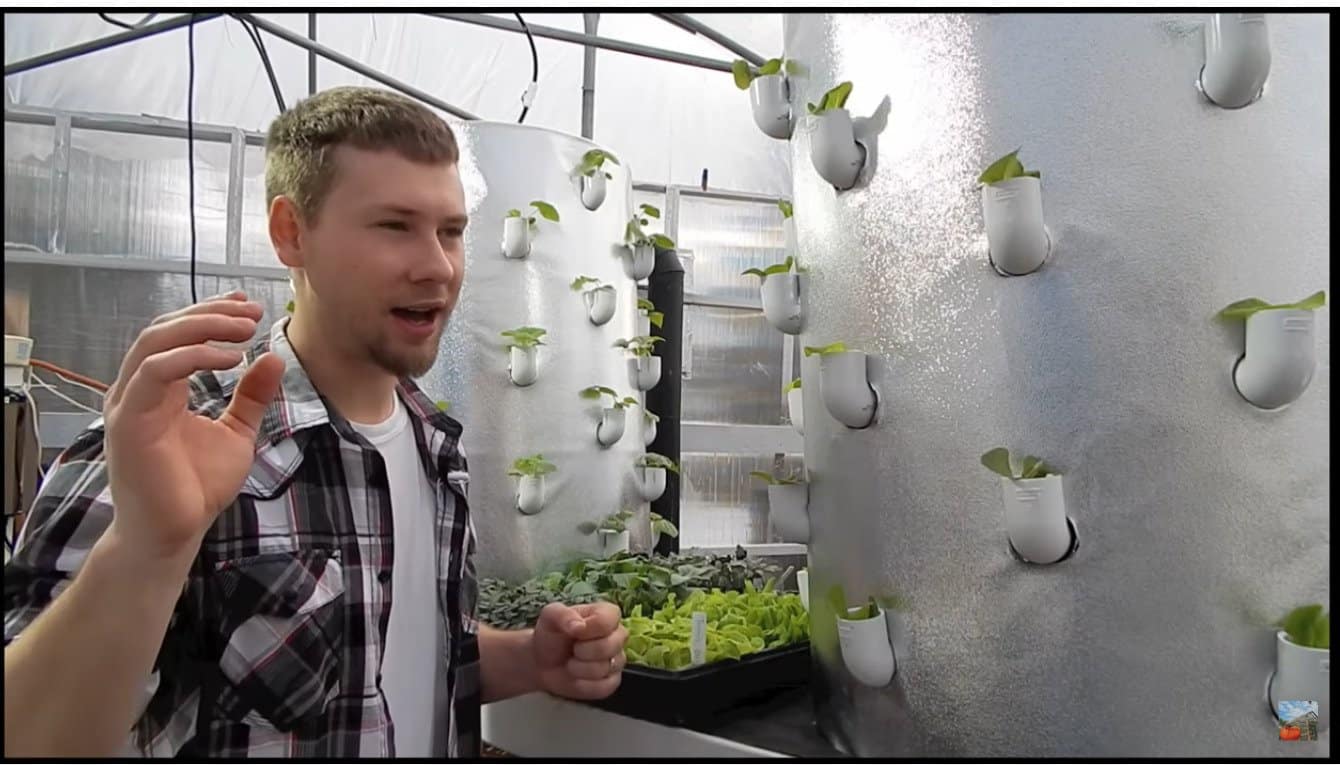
71 511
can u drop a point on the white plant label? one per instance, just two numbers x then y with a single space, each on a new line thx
698 640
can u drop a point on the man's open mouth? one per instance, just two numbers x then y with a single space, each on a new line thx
417 316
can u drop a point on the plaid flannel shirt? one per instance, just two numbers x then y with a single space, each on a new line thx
275 646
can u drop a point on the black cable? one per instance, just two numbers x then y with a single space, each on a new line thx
534 65
256 40
190 140
147 18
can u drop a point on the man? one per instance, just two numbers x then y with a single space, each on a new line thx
269 553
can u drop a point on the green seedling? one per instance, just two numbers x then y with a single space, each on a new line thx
654 460
654 316
524 337
745 73
579 284
533 466
1244 308
772 480
662 526
824 350
289 306
596 391
836 98
793 385
639 346
615 523
443 406
776 268
785 206
635 236
594 160
543 209
651 417
1005 168
838 600
998 461
1308 626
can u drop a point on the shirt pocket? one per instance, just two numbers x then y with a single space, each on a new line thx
283 633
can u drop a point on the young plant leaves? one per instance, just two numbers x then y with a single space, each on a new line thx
998 461
785 206
546 210
1244 308
793 385
582 281
771 66
742 72
839 347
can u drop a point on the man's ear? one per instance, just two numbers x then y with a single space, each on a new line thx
286 232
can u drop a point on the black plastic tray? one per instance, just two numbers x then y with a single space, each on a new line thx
703 697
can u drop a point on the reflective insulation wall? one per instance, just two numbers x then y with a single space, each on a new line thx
1200 518
507 166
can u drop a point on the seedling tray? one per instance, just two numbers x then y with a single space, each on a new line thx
713 694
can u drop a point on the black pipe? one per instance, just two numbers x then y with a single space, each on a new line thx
665 289
311 55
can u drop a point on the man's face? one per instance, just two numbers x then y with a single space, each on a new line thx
385 259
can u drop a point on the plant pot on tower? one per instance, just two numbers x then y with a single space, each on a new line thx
591 177
519 228
863 636
1035 516
1279 355
835 152
601 299
781 294
523 345
612 417
660 527
1017 240
648 317
641 258
1237 59
1303 661
649 420
795 405
845 386
530 472
644 369
651 469
788 506
769 94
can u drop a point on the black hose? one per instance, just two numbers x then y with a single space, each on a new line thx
256 40
147 18
534 65
190 141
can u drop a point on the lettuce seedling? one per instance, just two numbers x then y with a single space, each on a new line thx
1005 168
836 98
661 525
654 316
634 235
1308 627
838 600
579 284
793 385
772 480
654 460
776 268
594 160
524 337
811 350
639 346
596 391
615 523
533 466
745 74
785 206
544 209
1244 308
998 461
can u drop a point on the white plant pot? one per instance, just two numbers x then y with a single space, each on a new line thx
524 365
600 304
613 542
1279 357
641 261
530 494
611 426
795 407
896 624
788 511
592 189
803 587
1237 58
866 649
1015 234
648 432
651 483
1035 518
834 151
846 390
516 238
1302 674
644 372
655 539
768 97
781 301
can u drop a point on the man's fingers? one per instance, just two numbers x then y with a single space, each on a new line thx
596 670
233 303
599 620
594 689
184 331
255 391
601 649
148 387
562 619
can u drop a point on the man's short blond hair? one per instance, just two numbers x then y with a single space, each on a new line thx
299 150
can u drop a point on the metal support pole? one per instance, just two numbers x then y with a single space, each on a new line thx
60 185
589 21
564 35
311 54
103 43
665 288
363 69
237 160
683 21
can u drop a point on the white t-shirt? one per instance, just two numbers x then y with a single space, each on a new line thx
409 658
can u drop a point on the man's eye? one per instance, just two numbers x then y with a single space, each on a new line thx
453 233
394 225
